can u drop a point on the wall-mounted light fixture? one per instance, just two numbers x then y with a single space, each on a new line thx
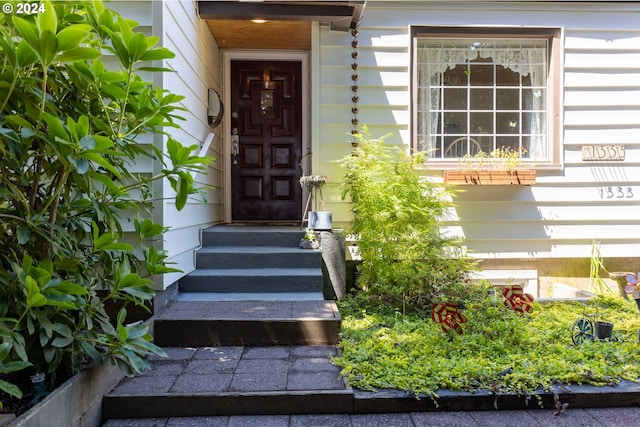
215 108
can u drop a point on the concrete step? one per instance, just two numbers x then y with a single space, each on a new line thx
237 235
261 323
208 381
248 296
226 257
253 280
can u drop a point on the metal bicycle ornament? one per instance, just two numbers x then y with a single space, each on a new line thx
589 328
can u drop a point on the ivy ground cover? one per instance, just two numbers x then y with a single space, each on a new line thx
498 350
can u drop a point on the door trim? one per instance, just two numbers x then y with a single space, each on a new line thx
262 55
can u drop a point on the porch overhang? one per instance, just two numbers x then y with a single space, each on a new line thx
340 15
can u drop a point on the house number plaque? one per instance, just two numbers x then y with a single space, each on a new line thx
602 152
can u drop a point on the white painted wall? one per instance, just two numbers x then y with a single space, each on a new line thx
197 68
559 216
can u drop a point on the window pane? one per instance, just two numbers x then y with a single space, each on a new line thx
508 123
481 99
481 75
481 123
507 99
455 123
506 142
455 99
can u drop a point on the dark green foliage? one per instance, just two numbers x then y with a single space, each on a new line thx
408 263
71 132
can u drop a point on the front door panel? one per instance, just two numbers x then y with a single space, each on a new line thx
266 122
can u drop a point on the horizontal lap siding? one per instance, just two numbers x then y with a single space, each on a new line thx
567 208
195 67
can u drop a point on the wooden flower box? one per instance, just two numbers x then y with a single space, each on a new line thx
491 177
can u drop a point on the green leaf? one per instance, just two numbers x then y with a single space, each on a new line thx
91 351
87 142
10 389
138 331
137 47
15 366
122 333
147 228
117 247
5 348
56 127
156 69
25 54
98 159
62 329
131 279
182 193
102 142
27 30
142 292
62 342
69 288
47 47
81 165
24 234
47 20
119 48
72 36
78 54
36 300
157 54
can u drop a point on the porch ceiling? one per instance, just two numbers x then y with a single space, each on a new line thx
287 26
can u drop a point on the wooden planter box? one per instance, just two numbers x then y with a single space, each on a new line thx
491 177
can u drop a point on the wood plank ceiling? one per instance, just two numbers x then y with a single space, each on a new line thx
238 34
285 24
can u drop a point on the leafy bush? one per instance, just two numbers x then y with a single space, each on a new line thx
408 263
71 131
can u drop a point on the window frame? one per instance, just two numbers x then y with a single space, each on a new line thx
554 35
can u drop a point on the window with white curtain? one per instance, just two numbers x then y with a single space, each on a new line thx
484 89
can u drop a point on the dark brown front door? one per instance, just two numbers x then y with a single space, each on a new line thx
266 127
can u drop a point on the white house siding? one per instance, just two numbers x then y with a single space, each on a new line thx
558 217
196 68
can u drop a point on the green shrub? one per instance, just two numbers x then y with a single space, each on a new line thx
408 263
70 135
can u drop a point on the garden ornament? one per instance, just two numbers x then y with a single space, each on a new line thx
448 317
517 300
632 283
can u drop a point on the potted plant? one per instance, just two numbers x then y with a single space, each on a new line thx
309 240
502 166
317 220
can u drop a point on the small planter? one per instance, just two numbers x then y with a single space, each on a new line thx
491 177
604 330
320 220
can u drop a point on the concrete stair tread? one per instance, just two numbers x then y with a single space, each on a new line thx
251 310
249 296
256 271
256 250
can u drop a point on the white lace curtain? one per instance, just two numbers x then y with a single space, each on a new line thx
526 57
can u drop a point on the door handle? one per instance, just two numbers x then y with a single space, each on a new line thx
235 148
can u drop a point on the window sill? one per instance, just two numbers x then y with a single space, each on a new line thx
490 177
